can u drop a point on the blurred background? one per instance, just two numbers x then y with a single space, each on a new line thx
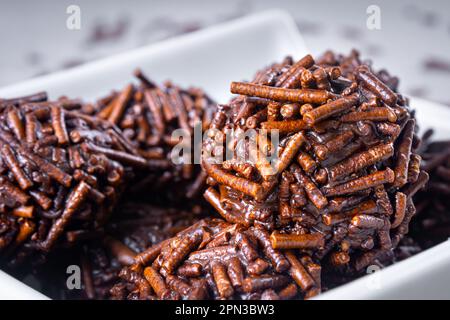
413 42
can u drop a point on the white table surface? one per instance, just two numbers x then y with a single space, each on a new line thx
34 39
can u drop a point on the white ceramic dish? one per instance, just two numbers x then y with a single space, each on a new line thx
211 59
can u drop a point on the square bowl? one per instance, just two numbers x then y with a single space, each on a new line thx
211 59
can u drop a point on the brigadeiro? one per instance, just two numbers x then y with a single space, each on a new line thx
337 181
160 120
432 224
132 228
312 167
214 259
61 173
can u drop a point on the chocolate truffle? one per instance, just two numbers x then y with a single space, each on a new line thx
322 155
61 173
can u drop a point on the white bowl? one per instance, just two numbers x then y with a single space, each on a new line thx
211 59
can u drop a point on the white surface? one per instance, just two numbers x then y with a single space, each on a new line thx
11 289
432 115
423 276
35 40
240 48
210 58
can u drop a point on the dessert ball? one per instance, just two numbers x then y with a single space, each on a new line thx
61 173
432 225
132 228
321 154
214 259
161 122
